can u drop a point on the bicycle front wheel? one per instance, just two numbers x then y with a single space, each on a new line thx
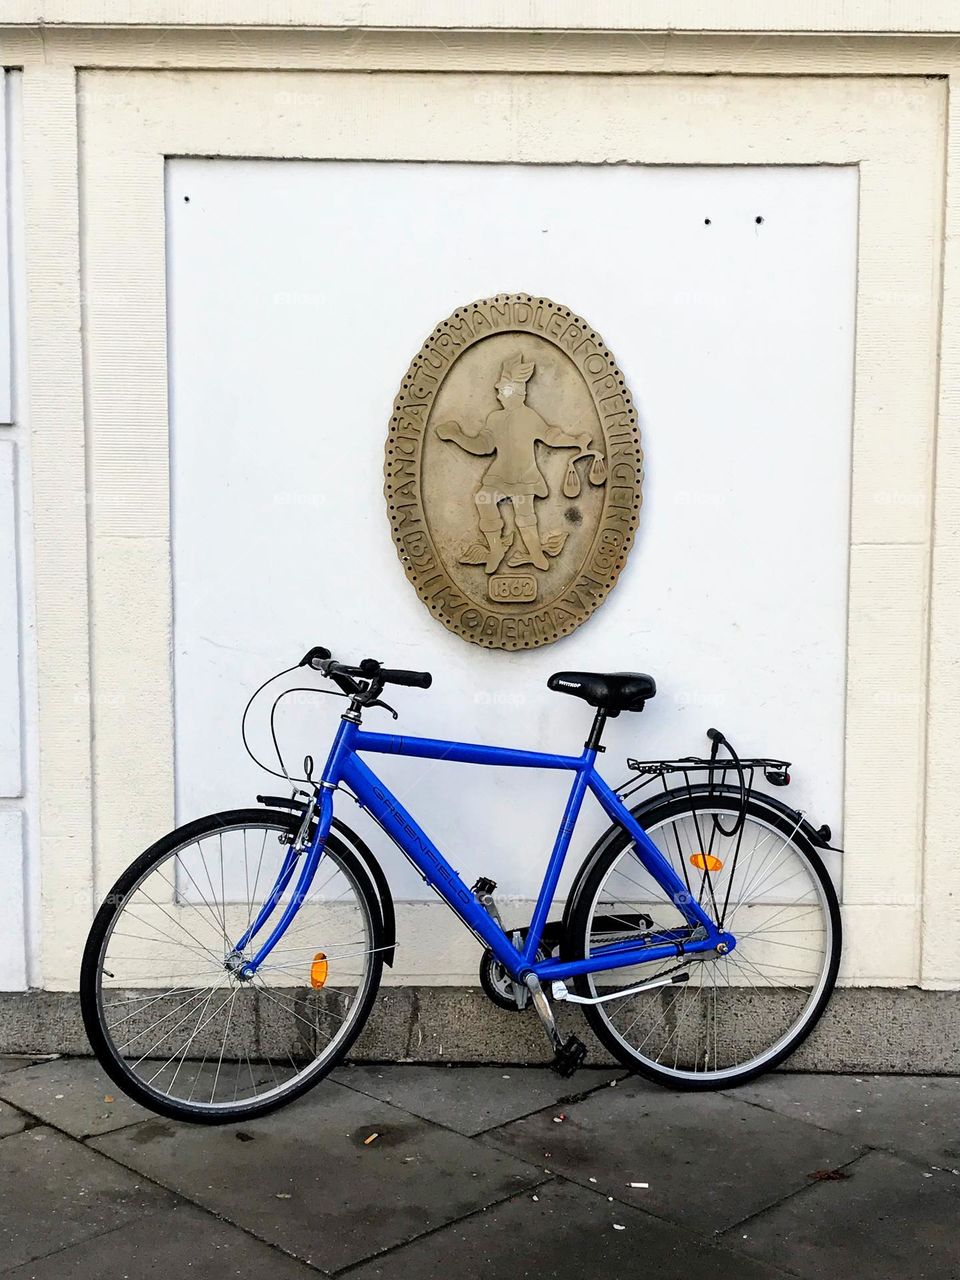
735 1016
174 1024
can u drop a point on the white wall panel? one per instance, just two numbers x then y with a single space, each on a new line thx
298 293
10 717
6 336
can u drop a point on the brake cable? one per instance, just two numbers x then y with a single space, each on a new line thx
284 775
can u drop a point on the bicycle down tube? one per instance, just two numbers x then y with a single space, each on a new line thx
344 765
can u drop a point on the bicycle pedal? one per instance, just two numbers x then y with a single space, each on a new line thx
569 1057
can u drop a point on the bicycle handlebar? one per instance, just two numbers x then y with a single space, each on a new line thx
320 659
414 679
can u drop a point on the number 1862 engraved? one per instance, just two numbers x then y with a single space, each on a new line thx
513 587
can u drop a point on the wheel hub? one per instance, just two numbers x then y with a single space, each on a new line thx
235 964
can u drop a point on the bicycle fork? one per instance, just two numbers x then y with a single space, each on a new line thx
322 805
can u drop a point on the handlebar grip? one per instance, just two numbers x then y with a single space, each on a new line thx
413 679
317 654
715 735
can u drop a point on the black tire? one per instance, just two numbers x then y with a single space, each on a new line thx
100 932
611 846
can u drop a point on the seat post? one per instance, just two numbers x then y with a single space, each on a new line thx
596 730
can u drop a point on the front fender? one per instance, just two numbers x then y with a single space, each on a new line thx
387 911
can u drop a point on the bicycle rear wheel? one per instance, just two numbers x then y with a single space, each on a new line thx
735 1016
174 1025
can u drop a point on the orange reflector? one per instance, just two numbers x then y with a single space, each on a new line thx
318 971
706 862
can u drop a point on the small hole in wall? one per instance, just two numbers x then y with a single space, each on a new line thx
186 199
758 219
706 222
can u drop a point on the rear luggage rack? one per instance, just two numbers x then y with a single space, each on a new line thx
721 775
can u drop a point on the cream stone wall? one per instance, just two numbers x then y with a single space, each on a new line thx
103 103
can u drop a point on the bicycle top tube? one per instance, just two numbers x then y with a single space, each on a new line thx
465 752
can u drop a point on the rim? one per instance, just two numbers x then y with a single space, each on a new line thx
769 987
190 1032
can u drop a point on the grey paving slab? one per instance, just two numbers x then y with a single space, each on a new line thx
72 1094
470 1099
914 1115
55 1192
709 1159
182 1241
305 1179
11 1120
14 1062
887 1220
567 1233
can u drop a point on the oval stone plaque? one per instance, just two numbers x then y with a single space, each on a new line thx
513 472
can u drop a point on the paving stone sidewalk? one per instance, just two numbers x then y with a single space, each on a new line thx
485 1172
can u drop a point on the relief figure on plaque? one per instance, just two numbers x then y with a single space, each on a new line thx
511 434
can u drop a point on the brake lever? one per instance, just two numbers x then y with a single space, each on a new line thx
378 702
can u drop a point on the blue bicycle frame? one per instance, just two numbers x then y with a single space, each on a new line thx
345 767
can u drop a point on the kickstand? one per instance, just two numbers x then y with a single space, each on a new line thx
569 1054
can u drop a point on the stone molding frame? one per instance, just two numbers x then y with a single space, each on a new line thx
112 412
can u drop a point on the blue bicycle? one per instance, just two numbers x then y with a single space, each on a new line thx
235 962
